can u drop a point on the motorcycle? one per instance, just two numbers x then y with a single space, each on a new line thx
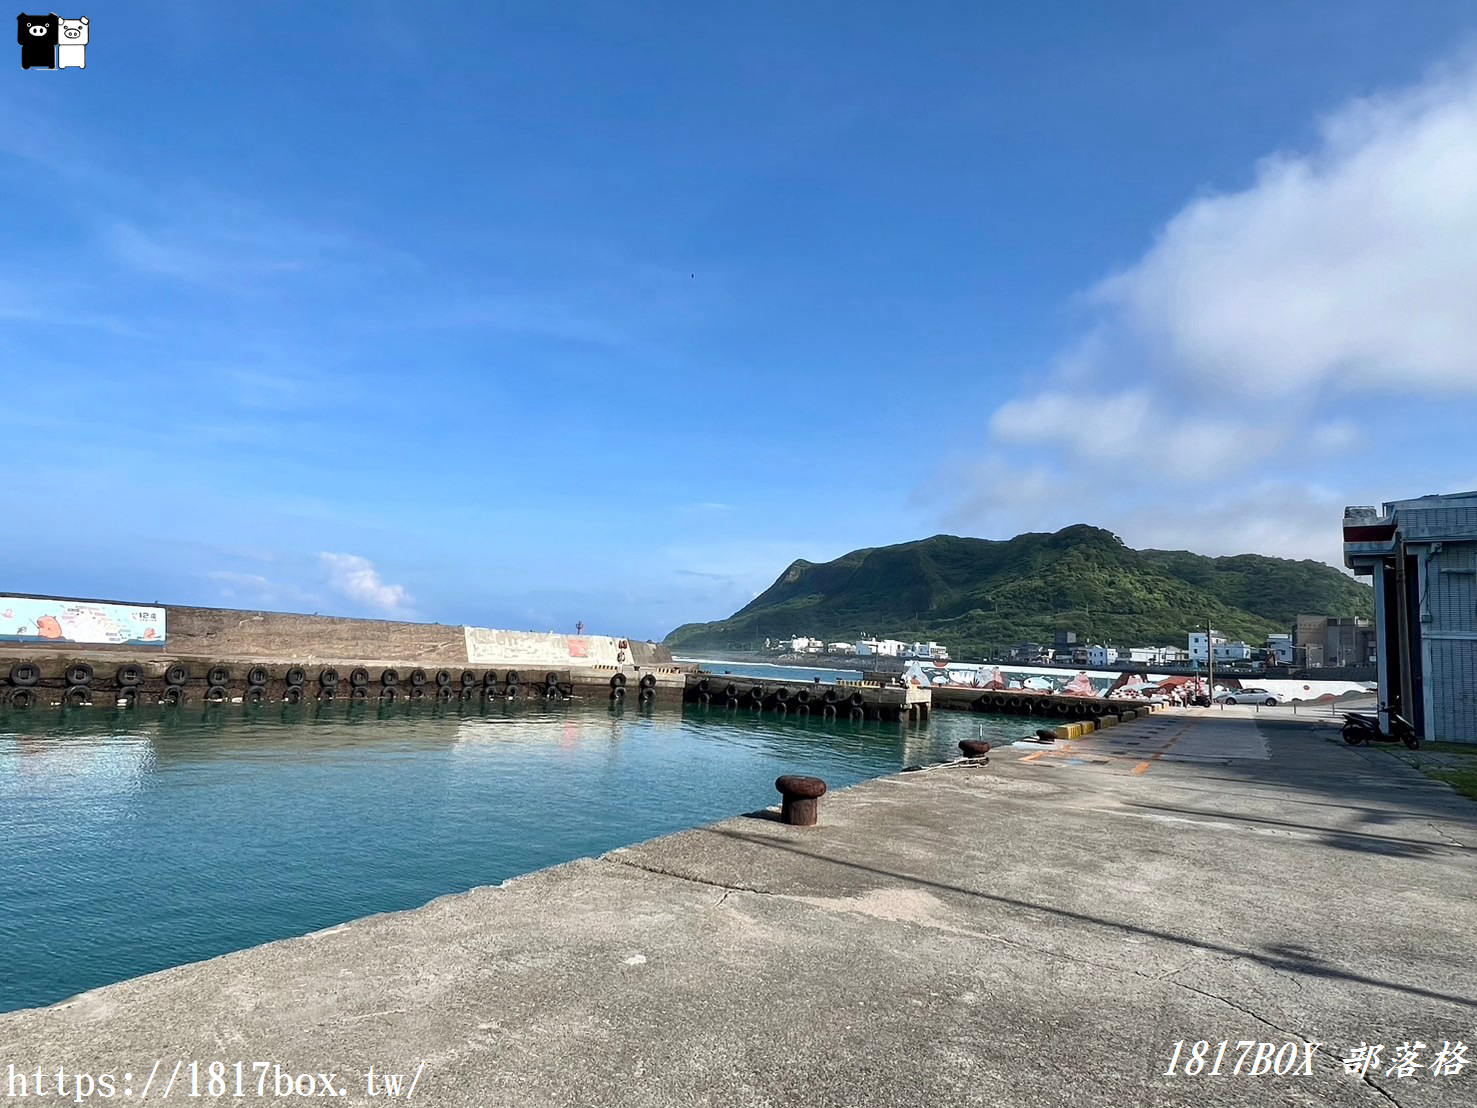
1361 727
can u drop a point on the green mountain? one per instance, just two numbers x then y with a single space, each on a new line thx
977 595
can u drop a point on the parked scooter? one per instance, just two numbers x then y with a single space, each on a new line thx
1361 727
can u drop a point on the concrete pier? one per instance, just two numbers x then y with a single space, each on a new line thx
1039 931
839 699
231 655
1027 702
206 679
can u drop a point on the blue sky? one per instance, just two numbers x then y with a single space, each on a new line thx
517 316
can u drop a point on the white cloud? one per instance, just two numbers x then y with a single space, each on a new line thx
355 577
1350 264
1239 381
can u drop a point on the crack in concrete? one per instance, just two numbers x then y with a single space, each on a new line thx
1447 836
1379 1090
611 858
1238 1007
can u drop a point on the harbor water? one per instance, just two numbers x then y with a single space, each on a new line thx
132 840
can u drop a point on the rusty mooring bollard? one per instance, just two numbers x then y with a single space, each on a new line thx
974 748
801 803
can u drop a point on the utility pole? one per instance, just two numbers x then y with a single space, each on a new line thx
1209 661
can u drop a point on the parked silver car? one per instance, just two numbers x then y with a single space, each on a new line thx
1248 696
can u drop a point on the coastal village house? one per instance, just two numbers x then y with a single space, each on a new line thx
1198 651
1279 650
1325 641
1422 557
883 648
927 651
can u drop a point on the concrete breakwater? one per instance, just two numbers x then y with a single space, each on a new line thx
1025 702
95 652
854 700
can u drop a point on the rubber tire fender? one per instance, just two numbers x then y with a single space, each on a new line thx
417 678
129 676
648 681
390 678
217 676
79 674
24 675
296 676
443 678
22 696
359 677
327 679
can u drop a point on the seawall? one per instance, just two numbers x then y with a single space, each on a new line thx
118 646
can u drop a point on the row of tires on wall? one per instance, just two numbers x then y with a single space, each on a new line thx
829 702
645 688
296 683
1038 706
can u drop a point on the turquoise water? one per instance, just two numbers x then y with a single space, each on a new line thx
134 840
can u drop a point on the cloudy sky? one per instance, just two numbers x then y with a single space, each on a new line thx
516 316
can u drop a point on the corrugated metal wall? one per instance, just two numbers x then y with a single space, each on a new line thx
1451 606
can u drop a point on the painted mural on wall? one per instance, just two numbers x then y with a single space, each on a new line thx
29 620
518 648
1086 682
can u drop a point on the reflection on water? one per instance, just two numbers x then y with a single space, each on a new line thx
134 840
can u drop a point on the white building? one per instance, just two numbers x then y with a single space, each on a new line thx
926 650
841 647
1197 644
885 648
1152 655
1101 655
1280 649
1232 652
800 644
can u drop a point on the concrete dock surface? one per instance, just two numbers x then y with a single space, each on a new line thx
1038 931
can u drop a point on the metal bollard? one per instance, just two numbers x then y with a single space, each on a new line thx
975 748
801 804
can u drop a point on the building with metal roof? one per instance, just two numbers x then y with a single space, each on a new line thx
1422 556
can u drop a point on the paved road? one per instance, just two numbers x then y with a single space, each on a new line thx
1040 931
